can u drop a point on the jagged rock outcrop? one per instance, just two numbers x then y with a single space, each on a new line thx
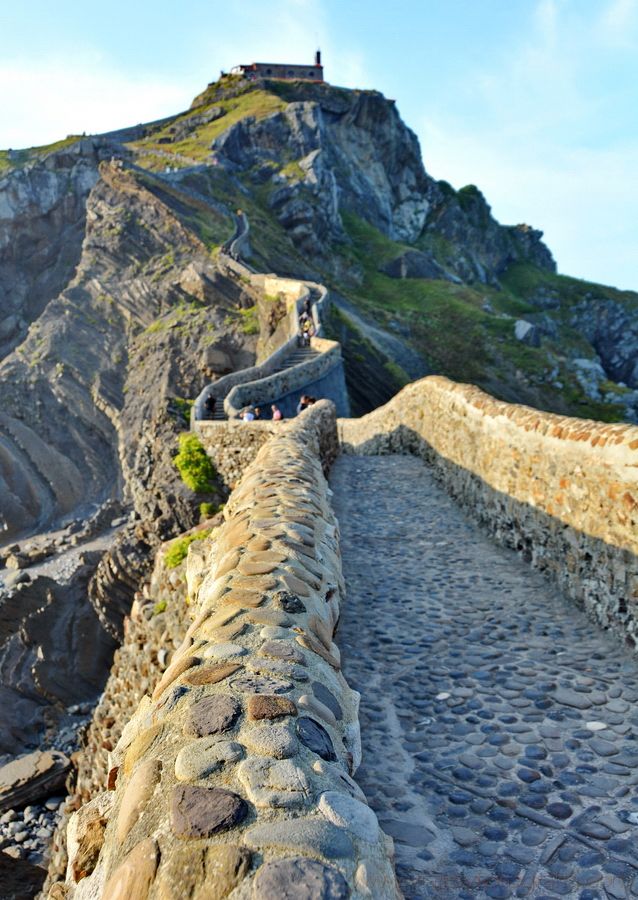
612 329
479 248
353 152
53 653
88 390
42 219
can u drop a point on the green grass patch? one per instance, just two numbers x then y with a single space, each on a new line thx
194 466
249 320
15 159
181 407
178 551
208 510
196 147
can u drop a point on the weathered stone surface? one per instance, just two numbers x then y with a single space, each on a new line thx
279 668
88 851
311 643
243 597
294 586
204 756
264 706
271 740
261 684
299 879
225 633
223 651
345 811
133 878
139 745
309 704
316 738
212 715
282 650
176 669
198 812
268 617
137 794
306 834
572 698
289 602
211 674
203 873
278 783
328 699
32 777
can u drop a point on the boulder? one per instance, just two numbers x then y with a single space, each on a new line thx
216 360
527 333
32 777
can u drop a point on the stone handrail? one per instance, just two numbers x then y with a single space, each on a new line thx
297 291
562 491
235 776
270 387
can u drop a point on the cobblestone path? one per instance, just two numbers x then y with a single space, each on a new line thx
499 725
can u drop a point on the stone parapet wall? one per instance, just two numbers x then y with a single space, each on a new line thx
562 491
234 778
295 291
269 388
232 445
153 630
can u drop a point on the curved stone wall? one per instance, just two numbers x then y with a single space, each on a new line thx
234 777
270 388
296 292
562 491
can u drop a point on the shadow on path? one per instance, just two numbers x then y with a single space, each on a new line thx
499 724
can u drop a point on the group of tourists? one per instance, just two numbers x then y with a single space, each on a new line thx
252 413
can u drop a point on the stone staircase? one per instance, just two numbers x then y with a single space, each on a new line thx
290 370
296 357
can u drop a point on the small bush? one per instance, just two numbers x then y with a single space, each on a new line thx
194 465
178 550
159 607
181 408
206 510
250 321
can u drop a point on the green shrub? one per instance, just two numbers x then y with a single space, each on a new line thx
181 407
206 510
178 550
159 607
250 320
194 465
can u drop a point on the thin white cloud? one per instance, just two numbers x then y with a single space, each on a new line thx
86 94
619 22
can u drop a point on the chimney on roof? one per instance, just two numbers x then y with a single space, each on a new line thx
318 58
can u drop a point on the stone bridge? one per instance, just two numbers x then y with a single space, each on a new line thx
402 665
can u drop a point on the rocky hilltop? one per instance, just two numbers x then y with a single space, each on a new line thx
117 308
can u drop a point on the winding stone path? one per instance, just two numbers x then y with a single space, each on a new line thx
499 725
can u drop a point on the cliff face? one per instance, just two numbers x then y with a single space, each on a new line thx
89 387
42 221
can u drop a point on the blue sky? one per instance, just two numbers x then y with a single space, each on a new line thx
534 100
